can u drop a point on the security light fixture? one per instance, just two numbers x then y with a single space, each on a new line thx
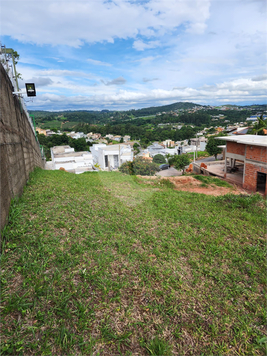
30 88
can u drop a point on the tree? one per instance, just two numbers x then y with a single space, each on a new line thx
179 162
139 166
259 126
159 159
212 146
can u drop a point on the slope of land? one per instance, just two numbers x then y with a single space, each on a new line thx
101 263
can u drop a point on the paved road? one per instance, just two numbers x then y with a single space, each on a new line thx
171 172
210 159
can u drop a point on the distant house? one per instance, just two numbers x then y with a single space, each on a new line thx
93 136
41 131
126 138
109 137
155 149
74 162
200 142
77 135
239 131
168 143
248 155
111 156
50 133
117 138
255 117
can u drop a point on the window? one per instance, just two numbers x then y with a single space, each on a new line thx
106 161
116 161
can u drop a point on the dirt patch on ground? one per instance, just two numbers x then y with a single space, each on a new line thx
190 184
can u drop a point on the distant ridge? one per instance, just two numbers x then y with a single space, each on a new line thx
170 107
152 110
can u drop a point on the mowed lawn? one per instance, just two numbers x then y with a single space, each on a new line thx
104 264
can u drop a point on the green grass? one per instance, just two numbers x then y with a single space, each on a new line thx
57 124
207 180
200 154
104 264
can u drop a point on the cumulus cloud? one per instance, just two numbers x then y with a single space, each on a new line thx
98 21
259 78
40 81
117 81
141 46
232 91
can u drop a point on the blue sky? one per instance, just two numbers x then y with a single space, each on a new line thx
125 54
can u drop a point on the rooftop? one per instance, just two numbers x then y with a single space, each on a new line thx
71 154
255 140
60 149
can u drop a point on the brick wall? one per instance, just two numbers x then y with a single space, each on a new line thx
256 153
19 151
250 181
236 148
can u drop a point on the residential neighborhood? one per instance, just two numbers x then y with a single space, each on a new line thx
109 152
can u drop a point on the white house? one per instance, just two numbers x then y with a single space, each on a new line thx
117 138
155 149
126 138
74 162
111 156
200 142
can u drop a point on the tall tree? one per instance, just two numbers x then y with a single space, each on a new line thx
212 146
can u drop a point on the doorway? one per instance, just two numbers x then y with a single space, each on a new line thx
261 182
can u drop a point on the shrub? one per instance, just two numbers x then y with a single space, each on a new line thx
159 159
179 162
139 166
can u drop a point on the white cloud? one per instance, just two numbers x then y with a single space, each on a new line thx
259 78
116 81
141 46
146 80
40 81
233 91
98 63
65 73
76 22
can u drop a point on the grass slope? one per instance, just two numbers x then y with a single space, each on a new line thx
100 263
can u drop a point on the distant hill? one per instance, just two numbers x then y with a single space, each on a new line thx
155 109
151 110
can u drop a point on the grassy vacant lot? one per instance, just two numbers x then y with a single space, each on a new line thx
102 264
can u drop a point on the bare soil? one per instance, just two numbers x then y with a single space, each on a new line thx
190 184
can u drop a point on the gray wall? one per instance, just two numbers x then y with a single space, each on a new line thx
19 151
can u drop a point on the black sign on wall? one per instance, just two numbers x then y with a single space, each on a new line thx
30 88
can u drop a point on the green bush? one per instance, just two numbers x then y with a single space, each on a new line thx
139 166
159 159
179 161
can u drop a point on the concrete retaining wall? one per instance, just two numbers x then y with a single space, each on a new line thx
19 150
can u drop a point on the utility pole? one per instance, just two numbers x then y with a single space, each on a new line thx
196 146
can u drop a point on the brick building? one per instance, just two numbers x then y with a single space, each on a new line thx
248 154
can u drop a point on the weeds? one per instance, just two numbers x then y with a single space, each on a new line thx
207 180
